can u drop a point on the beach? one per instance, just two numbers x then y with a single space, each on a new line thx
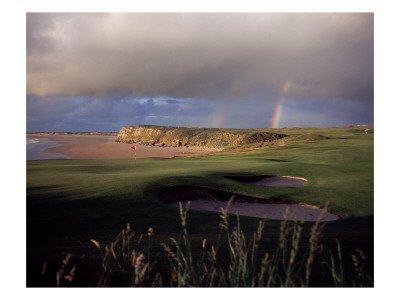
75 146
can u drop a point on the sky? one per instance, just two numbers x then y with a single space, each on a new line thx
102 71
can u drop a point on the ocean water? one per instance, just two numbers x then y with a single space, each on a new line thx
34 146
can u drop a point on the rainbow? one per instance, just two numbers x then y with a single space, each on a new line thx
218 119
278 109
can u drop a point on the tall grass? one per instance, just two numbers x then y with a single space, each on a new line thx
233 261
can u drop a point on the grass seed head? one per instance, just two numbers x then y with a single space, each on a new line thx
150 231
97 244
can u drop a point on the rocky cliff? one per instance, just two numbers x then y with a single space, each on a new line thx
193 136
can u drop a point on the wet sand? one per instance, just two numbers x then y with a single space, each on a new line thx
103 147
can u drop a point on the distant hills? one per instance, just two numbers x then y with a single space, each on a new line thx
194 136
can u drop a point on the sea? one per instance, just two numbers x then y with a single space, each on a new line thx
34 146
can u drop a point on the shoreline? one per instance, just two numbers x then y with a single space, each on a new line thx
93 146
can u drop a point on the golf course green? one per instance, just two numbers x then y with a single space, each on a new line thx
71 202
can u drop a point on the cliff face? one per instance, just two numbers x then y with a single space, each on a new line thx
191 136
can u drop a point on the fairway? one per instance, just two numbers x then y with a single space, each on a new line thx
70 202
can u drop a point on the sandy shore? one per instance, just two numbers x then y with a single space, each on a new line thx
99 147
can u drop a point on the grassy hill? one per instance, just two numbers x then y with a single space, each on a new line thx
193 136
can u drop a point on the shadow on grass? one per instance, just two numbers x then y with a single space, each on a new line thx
276 160
248 179
45 264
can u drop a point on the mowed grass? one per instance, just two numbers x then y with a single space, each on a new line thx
70 202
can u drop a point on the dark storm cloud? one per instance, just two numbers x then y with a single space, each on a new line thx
66 113
325 112
215 56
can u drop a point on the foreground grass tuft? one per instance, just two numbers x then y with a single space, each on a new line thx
234 261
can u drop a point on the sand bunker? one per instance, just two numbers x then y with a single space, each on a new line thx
213 200
278 181
282 181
